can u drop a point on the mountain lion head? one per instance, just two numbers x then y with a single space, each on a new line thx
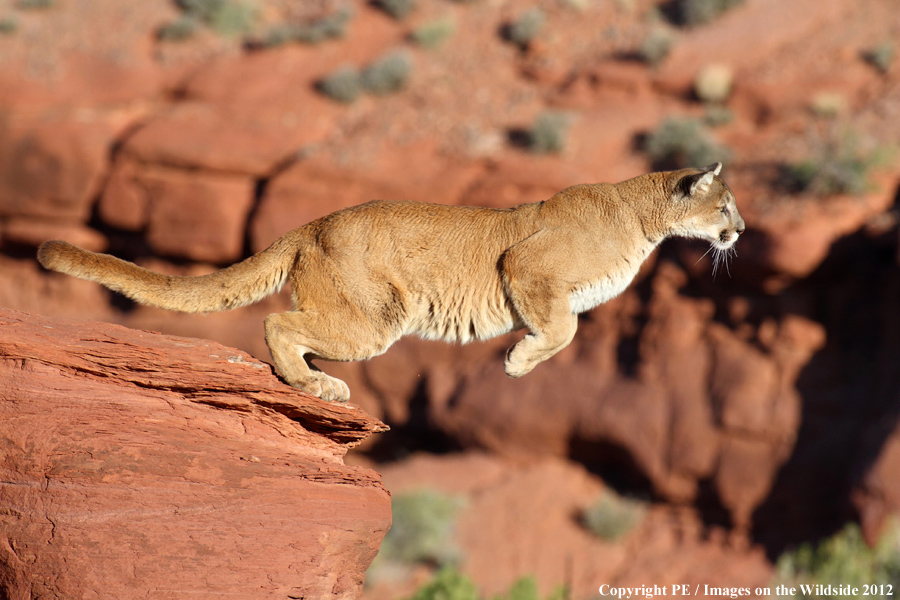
706 209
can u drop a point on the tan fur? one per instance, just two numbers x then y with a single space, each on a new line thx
365 276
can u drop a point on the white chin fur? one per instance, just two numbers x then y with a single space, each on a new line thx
718 243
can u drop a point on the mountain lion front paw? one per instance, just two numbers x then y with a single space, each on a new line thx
517 364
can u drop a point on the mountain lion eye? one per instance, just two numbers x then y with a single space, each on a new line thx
724 210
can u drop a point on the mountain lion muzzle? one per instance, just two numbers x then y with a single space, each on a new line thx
365 276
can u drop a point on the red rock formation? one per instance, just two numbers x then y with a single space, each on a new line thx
135 465
877 496
536 508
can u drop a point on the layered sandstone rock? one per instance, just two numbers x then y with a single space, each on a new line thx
135 465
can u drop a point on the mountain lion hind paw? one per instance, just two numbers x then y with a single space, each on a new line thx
324 386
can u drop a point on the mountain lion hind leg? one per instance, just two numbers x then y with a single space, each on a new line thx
292 342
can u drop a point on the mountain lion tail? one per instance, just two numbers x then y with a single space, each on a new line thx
239 285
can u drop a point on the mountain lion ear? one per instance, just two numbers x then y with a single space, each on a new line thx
716 168
698 183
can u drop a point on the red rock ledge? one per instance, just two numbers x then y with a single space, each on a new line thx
141 465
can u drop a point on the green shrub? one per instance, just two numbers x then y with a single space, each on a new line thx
698 12
449 584
35 4
388 74
226 17
613 516
548 133
881 56
844 559
182 28
682 142
656 46
398 9
201 9
385 76
434 33
233 19
524 29
422 529
344 85
837 167
332 26
8 26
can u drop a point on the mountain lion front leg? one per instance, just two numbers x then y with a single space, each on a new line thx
540 344
541 301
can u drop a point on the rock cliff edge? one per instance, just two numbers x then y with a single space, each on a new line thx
140 465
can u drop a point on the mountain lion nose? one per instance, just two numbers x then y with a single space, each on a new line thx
739 230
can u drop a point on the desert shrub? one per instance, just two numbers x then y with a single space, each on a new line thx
697 12
8 26
398 9
35 4
613 516
841 560
524 29
344 85
449 584
526 589
548 132
422 529
226 17
201 9
233 19
388 74
385 76
681 142
881 56
656 45
314 32
838 166
180 29
434 33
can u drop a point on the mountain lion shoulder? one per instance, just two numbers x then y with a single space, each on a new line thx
365 276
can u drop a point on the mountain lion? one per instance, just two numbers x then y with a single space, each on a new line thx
365 276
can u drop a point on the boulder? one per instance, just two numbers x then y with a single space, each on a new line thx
135 465
200 216
52 167
877 495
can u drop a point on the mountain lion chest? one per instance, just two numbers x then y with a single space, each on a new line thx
608 285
